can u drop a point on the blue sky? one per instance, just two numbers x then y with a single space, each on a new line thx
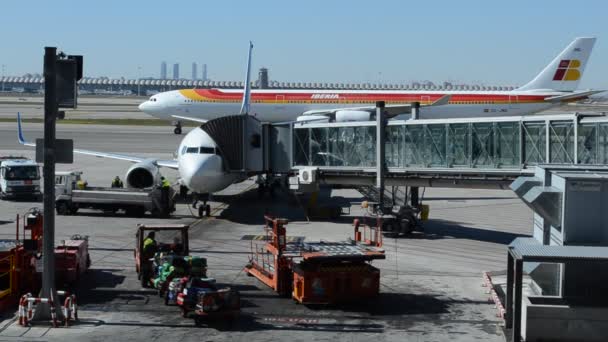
494 42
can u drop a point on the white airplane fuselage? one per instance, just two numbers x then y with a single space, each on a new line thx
556 83
287 105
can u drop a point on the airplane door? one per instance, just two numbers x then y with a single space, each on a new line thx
513 102
279 102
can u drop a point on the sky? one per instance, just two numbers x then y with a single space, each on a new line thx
484 42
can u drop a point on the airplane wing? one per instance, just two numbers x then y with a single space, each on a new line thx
188 118
390 110
577 95
165 163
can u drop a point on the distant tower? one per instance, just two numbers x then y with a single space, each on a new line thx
263 78
176 71
194 71
163 70
204 72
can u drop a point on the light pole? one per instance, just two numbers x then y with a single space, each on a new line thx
138 79
3 69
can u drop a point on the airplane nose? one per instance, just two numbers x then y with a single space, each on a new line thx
143 106
200 172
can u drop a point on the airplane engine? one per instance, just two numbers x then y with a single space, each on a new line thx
142 175
315 118
353 115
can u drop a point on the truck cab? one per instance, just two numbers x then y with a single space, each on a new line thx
66 181
19 177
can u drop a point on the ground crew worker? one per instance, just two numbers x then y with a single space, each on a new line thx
117 183
82 184
164 191
164 183
150 247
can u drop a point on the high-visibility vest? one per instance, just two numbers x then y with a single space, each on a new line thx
148 242
166 184
81 184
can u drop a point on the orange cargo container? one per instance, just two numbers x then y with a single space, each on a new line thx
324 284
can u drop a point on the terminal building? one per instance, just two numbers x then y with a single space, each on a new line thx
91 85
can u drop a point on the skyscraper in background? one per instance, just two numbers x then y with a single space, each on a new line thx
194 71
176 71
163 70
204 72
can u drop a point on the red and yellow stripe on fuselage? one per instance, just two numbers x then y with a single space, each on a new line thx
347 98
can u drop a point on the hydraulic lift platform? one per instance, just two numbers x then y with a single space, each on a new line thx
318 272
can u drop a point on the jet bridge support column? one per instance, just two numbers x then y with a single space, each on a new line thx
380 155
415 110
414 198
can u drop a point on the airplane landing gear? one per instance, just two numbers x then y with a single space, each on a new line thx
178 127
204 209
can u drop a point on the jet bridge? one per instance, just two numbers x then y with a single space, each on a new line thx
472 152
469 152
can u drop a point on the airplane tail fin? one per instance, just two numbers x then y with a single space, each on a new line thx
565 71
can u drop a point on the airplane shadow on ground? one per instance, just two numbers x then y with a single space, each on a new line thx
282 205
442 229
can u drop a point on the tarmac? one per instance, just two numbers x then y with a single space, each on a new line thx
430 282
88 107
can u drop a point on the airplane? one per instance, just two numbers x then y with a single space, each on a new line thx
198 161
555 84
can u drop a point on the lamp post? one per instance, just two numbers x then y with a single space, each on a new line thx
3 69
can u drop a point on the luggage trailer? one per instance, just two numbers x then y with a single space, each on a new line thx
318 272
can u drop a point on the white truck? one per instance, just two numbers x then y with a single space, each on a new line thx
19 178
72 193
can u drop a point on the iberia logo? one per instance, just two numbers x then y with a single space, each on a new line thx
568 70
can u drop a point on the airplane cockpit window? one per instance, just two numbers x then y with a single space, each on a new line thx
192 150
184 149
207 150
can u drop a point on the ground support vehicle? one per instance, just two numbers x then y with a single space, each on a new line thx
203 298
173 239
173 284
135 202
72 259
17 263
318 272
20 260
168 267
19 178
397 220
